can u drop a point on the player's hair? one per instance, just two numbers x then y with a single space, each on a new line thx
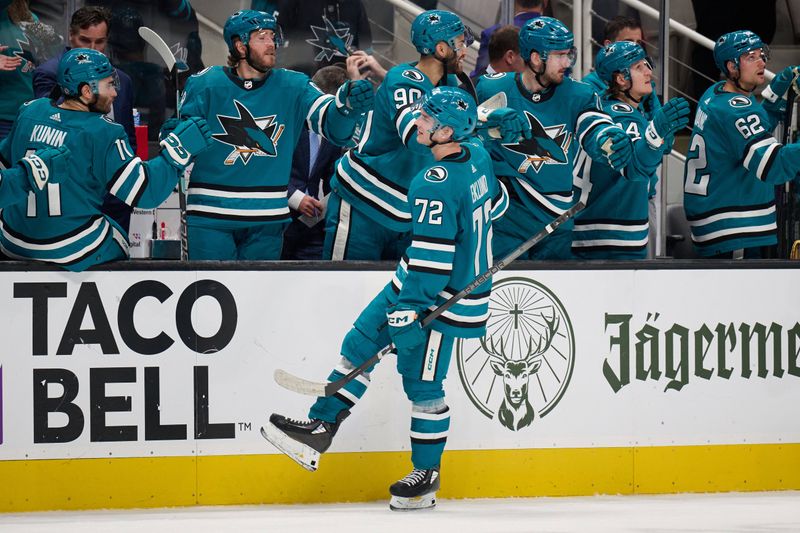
528 4
89 16
503 40
18 12
615 26
330 78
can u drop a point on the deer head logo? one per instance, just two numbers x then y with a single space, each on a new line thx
516 411
519 371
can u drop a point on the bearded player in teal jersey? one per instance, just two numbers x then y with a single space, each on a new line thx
734 162
63 223
564 115
236 201
453 203
614 223
368 216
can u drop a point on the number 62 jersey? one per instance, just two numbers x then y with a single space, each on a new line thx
732 167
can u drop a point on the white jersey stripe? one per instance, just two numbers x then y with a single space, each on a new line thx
275 195
238 212
733 231
732 215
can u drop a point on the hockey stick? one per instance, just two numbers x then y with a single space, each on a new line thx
312 388
158 44
785 193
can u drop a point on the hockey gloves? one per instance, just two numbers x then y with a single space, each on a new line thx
405 329
672 117
511 124
616 147
354 97
775 93
168 127
42 165
188 139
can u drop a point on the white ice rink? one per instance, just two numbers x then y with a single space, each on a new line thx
763 512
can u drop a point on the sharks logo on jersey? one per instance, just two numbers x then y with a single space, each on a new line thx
249 136
740 101
547 145
436 174
335 39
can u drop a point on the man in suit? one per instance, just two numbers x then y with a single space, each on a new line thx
524 10
309 181
89 29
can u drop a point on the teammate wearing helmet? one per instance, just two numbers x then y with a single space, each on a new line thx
236 202
368 216
614 223
565 115
453 202
734 162
63 223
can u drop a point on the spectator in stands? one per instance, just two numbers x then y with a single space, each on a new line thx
309 181
617 29
524 10
16 77
89 29
303 22
504 51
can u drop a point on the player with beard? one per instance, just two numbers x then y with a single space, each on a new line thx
237 197
63 222
734 162
565 115
368 216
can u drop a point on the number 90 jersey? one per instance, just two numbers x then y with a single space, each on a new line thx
453 204
375 177
732 167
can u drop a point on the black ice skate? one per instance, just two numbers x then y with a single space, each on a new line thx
415 491
302 440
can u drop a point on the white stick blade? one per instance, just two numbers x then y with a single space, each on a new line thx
298 385
155 40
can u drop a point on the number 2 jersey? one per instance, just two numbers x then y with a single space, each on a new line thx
453 204
375 177
732 167
242 179
63 223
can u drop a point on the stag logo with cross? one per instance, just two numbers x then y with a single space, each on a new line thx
521 368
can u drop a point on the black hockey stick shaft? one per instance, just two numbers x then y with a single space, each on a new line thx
332 387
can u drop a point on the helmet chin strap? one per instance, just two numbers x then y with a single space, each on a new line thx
735 81
250 62
627 93
538 75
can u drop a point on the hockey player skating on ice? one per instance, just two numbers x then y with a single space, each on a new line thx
368 217
734 162
564 115
614 223
63 223
453 204
236 205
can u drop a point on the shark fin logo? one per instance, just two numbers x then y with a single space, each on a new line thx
547 145
335 39
519 371
249 136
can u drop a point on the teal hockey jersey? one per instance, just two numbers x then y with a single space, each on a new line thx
63 223
614 222
242 179
376 175
731 170
453 204
562 119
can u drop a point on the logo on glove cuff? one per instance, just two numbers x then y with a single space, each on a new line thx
249 136
522 367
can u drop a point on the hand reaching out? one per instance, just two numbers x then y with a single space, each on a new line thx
310 206
8 62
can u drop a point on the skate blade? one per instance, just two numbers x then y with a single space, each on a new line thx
303 455
426 501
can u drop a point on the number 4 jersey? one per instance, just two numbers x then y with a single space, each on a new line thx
732 167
